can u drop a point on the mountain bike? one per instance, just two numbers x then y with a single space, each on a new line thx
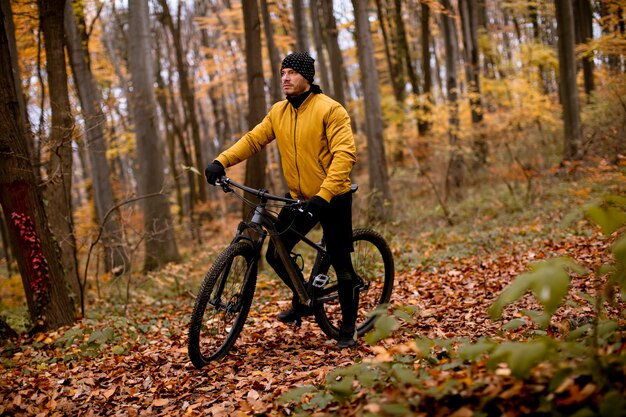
223 302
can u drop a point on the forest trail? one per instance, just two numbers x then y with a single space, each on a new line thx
140 364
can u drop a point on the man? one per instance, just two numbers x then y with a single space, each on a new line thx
317 150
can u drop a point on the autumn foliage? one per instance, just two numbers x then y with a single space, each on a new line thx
509 296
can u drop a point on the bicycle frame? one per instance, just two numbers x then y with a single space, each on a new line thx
263 223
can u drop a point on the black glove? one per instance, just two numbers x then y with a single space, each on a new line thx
316 206
214 172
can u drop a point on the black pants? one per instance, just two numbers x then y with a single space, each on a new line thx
337 227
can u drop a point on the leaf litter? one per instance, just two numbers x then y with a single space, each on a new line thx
143 368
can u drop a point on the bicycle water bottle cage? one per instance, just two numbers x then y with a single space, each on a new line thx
298 260
319 281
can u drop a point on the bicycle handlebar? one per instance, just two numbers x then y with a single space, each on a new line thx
226 183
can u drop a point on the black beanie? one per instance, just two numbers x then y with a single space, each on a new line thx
302 63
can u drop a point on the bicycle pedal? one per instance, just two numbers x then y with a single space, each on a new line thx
320 281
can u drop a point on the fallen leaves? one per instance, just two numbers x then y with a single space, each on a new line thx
140 365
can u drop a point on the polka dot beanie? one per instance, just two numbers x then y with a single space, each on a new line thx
302 63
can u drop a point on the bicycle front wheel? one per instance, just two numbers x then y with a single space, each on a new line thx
222 305
373 263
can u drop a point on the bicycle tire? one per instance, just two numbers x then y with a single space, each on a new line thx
227 291
373 262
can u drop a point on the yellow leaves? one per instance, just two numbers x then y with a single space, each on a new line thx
608 44
123 145
538 54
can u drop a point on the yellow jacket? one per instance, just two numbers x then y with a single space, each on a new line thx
315 143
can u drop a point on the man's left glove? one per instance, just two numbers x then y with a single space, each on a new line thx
316 206
214 171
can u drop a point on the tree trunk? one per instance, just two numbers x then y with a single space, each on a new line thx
455 174
276 91
583 22
257 106
220 120
299 23
567 81
378 177
425 111
116 258
187 95
403 47
334 52
172 132
318 41
613 17
59 169
35 248
469 22
6 244
160 243
395 71
534 18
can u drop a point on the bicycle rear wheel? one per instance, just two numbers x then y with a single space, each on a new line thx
373 263
222 305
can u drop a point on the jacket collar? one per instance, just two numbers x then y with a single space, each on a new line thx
301 101
297 101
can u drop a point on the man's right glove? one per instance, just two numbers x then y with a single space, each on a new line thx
214 172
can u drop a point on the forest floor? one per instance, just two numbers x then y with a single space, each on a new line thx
131 359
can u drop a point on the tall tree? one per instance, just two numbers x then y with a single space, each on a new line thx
300 26
174 135
186 90
59 167
404 52
89 94
334 52
455 174
394 64
35 248
160 242
377 163
533 10
318 41
6 244
469 23
583 22
425 110
568 89
257 105
276 92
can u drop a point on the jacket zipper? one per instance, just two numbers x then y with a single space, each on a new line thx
295 152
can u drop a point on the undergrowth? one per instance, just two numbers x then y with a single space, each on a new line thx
579 372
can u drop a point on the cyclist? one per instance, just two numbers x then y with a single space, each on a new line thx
317 149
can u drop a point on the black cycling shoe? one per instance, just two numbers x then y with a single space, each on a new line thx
346 340
294 315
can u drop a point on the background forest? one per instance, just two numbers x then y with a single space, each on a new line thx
477 123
